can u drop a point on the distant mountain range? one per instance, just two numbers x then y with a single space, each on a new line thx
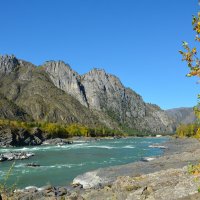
182 115
54 92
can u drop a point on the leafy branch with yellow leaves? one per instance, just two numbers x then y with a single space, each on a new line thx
190 56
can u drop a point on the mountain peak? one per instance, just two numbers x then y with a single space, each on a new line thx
8 63
97 70
58 66
66 79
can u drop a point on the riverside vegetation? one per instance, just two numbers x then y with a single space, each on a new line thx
188 130
56 130
5 190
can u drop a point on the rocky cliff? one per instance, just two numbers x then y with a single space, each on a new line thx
66 79
54 92
104 92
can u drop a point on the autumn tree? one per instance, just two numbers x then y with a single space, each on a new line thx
190 56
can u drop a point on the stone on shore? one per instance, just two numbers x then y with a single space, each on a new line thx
88 180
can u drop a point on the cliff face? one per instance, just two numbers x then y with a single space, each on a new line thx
66 79
54 92
104 92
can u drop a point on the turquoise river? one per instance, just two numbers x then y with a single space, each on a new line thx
59 165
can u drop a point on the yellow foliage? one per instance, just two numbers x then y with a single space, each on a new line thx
194 169
188 130
198 133
62 130
190 56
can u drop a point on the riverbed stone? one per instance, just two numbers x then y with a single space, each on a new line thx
57 141
15 156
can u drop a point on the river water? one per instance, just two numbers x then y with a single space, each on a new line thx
59 165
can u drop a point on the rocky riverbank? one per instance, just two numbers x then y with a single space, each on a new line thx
11 137
15 137
164 178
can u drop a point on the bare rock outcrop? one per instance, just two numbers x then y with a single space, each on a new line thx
8 64
66 79
20 137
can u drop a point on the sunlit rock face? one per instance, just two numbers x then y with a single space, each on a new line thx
66 79
104 92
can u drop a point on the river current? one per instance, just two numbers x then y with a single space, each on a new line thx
59 165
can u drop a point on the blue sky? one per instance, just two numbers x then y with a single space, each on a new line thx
137 40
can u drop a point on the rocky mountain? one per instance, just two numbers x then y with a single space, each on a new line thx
55 92
104 92
31 91
182 115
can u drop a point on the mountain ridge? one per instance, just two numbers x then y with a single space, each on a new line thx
55 92
182 115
